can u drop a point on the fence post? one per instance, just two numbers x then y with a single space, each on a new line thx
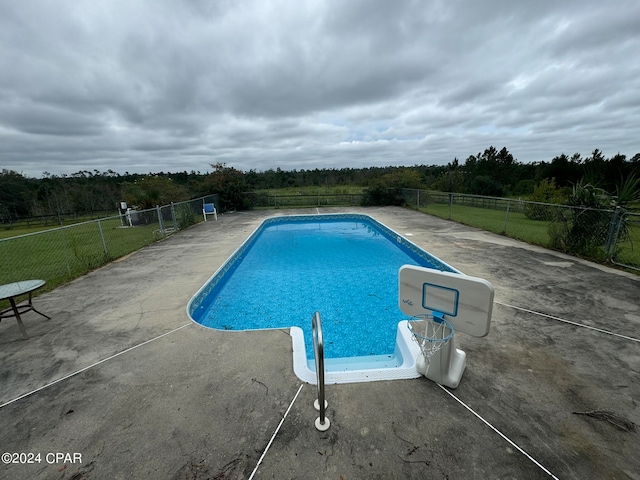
159 213
450 204
104 244
612 229
504 227
173 217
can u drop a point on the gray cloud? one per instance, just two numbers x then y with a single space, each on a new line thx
147 86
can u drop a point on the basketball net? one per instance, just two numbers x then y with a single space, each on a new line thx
431 332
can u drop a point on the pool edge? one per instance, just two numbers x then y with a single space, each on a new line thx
407 349
237 253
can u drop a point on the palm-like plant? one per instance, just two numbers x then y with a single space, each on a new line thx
587 195
589 226
585 228
628 191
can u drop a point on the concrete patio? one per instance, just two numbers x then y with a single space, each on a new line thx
122 380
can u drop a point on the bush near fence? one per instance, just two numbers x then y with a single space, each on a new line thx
61 254
601 235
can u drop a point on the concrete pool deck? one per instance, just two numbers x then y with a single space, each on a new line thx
123 379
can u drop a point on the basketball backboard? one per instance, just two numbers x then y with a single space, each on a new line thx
465 301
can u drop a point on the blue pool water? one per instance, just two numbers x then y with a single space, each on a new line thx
344 266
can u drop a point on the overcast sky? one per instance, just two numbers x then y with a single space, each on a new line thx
158 85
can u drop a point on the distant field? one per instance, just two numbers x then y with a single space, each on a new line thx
38 225
317 190
346 195
7 232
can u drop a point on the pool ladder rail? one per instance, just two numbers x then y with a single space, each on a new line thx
320 404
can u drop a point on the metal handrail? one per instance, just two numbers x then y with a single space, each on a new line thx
322 423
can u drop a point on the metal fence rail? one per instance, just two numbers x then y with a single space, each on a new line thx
61 254
602 235
263 200
51 220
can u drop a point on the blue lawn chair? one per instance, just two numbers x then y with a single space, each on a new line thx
209 209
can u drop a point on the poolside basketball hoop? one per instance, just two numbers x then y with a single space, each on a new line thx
426 296
431 332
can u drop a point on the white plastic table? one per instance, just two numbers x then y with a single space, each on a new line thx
11 291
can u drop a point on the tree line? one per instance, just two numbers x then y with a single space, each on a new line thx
492 172
497 173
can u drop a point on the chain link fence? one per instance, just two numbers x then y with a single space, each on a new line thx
61 254
264 200
625 248
602 235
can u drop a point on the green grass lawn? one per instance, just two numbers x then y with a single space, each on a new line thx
517 225
536 232
628 251
14 231
60 255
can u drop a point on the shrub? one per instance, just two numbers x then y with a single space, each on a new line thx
545 192
186 216
383 195
583 229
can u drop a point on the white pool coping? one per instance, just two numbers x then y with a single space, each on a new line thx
354 369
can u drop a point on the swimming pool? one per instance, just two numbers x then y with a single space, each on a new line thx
345 266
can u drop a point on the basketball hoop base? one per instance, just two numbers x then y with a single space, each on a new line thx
446 367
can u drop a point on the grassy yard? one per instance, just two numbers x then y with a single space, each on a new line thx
628 248
60 255
31 226
536 232
21 229
517 225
